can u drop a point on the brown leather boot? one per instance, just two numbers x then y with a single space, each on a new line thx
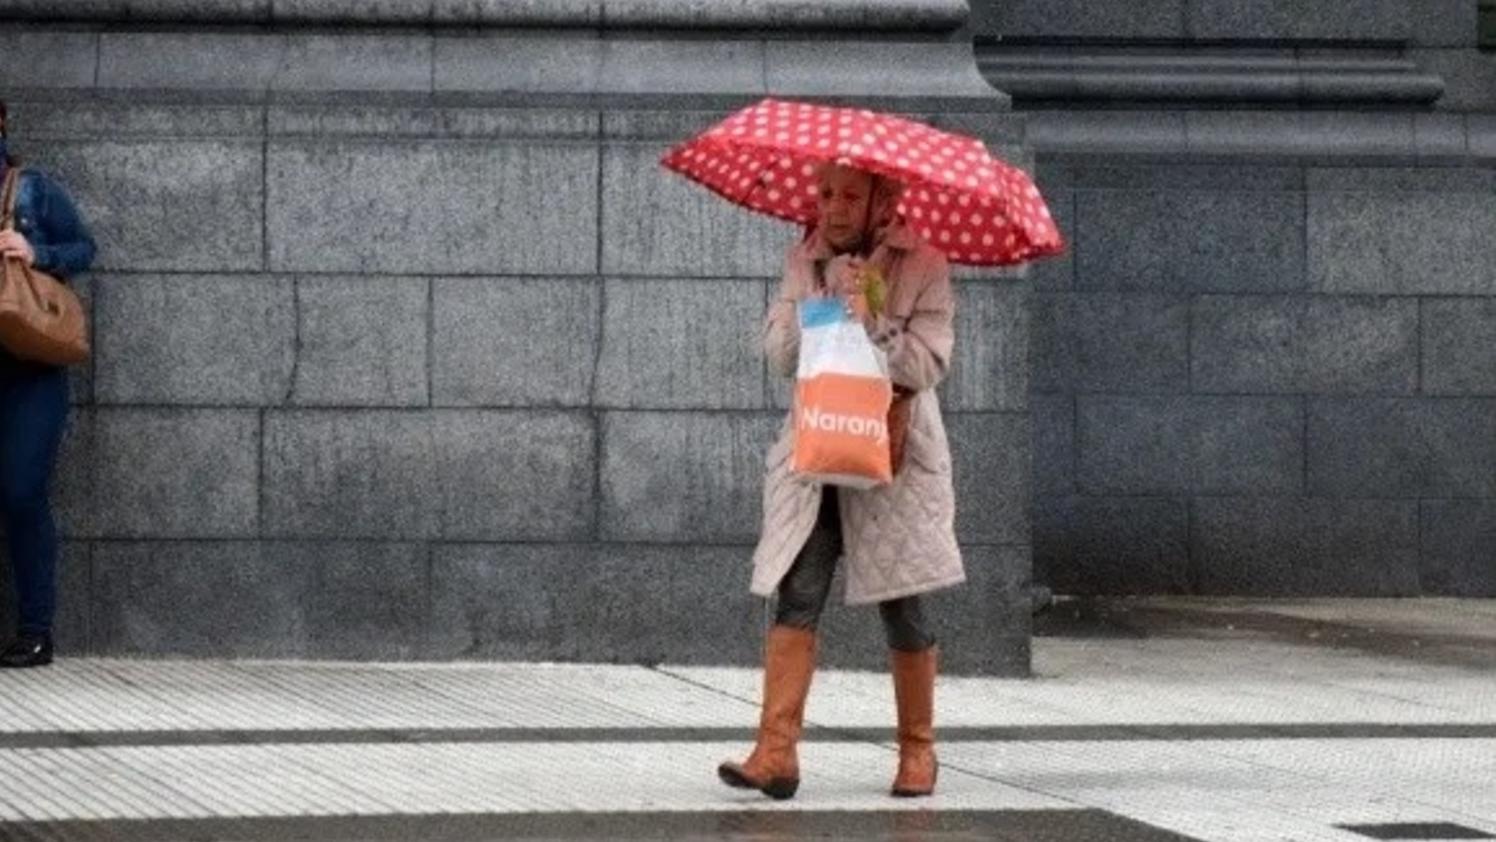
774 766
914 691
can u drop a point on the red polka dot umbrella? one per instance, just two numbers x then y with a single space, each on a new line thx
977 209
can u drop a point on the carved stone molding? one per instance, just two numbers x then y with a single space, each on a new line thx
1202 78
923 15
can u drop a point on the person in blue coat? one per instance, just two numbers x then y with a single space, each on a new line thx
50 235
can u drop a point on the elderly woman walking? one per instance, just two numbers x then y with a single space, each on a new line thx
898 540
843 173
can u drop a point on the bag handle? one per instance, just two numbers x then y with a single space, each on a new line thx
8 201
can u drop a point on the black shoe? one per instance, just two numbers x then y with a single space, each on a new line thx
29 650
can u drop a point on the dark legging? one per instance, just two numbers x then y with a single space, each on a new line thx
803 591
33 410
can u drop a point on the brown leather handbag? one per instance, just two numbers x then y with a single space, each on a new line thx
40 318
900 416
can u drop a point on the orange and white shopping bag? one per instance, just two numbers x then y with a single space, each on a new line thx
842 395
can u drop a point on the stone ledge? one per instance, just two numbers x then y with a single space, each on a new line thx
1332 136
564 69
906 15
1062 74
1449 23
939 15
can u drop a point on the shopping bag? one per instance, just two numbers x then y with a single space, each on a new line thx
842 396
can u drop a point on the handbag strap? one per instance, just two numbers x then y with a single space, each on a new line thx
8 200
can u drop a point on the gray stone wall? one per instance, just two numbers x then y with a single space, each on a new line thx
1267 380
386 373
1265 368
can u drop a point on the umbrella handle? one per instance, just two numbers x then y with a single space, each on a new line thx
865 248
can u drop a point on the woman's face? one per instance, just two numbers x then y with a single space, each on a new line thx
843 205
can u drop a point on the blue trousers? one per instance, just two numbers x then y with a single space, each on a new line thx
33 412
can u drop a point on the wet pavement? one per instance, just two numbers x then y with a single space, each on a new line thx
1443 631
748 826
1222 721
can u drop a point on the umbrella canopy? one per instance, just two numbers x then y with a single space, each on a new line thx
963 201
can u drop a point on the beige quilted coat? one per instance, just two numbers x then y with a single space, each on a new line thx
900 538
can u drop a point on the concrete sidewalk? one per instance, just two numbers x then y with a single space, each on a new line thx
1142 731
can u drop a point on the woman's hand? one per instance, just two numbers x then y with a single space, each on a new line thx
842 276
14 245
882 331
